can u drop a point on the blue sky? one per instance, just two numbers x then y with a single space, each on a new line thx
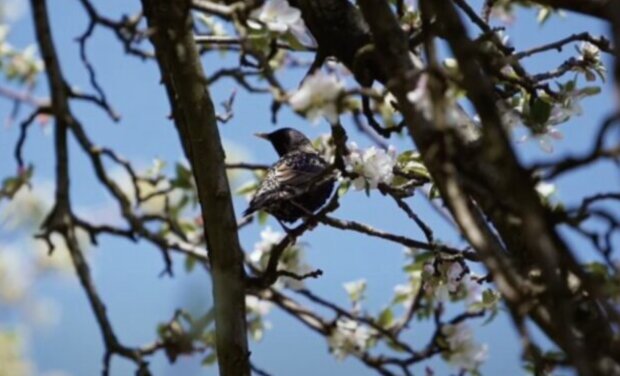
128 275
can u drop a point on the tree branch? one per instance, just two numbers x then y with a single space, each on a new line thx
195 119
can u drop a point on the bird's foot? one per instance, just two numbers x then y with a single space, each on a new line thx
286 229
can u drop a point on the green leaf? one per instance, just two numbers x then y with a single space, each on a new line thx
386 317
489 297
190 263
399 180
344 188
400 298
597 269
355 290
11 185
413 267
407 156
423 257
293 42
492 316
247 188
262 217
209 359
591 90
183 177
540 111
395 346
543 15
434 192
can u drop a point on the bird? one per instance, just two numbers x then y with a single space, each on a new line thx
296 185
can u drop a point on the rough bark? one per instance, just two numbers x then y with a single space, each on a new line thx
594 8
195 120
491 163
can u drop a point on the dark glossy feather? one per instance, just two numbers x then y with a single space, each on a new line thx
296 184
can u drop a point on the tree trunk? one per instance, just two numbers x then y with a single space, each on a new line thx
195 120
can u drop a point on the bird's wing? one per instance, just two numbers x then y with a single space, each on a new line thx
287 179
298 173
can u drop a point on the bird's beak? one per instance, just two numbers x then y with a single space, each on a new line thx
262 135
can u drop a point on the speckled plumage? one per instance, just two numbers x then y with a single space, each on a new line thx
296 184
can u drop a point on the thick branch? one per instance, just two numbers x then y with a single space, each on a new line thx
594 8
494 169
196 123
60 219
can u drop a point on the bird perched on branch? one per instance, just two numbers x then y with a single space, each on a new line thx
298 183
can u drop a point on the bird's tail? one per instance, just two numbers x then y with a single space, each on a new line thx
249 211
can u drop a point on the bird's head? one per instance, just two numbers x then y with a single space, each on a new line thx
285 140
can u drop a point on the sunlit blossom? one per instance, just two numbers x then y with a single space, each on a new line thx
589 51
545 139
280 17
373 165
420 97
463 352
258 306
349 337
355 290
291 260
317 97
545 189
268 238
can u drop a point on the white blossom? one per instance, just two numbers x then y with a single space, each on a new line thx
291 260
15 278
454 275
25 64
269 238
27 208
317 97
473 290
325 146
348 337
503 37
280 17
373 165
568 106
463 351
13 10
257 309
420 97
60 260
356 290
545 189
545 139
560 113
451 281
13 357
589 51
405 293
257 306
410 5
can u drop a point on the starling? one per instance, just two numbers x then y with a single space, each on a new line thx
298 183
